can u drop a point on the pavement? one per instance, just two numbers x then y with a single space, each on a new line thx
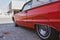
8 31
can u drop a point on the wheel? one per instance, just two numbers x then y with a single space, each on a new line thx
46 33
14 22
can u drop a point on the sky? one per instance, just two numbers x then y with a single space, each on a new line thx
4 4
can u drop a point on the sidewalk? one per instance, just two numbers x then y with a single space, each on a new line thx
4 16
5 19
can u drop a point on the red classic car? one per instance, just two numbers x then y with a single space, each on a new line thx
44 18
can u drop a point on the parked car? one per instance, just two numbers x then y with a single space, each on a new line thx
45 19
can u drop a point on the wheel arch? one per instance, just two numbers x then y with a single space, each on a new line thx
52 27
45 25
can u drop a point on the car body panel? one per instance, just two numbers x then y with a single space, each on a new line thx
48 14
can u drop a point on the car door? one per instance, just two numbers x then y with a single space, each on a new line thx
25 12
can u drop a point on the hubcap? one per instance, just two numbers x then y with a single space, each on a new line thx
43 31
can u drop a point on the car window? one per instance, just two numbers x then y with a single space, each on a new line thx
45 1
35 3
41 2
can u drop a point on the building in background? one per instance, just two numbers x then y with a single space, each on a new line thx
15 6
1 12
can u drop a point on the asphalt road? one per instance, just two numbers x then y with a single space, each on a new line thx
10 32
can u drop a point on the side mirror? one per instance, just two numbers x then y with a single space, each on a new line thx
20 10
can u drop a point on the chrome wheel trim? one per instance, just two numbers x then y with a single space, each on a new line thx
44 37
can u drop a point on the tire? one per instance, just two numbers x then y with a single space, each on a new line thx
46 33
14 22
59 36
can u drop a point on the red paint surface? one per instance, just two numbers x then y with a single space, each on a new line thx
48 14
